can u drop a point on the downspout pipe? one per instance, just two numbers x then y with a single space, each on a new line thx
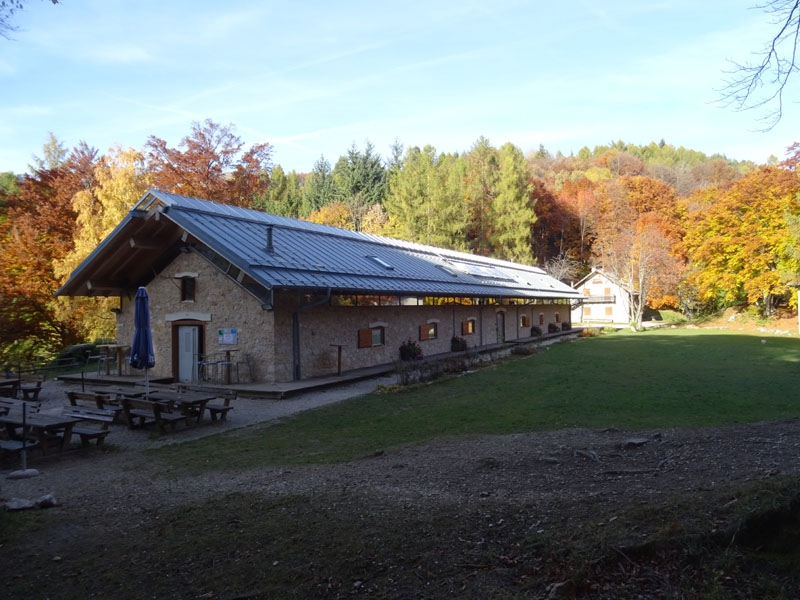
296 330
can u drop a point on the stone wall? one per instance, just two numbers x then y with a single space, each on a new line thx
219 303
323 329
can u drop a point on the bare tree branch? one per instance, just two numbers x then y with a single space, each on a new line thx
762 84
7 10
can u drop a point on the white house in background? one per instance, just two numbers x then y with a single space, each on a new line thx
603 299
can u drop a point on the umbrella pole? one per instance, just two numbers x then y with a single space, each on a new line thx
146 385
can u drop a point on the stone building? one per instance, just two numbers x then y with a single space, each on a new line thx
299 299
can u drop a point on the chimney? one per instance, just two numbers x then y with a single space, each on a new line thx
270 247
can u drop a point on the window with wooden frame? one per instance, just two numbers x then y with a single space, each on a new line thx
468 327
586 292
524 321
558 318
188 289
428 331
370 337
587 310
607 291
609 311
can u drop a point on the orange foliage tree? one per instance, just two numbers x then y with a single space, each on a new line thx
209 166
37 231
636 236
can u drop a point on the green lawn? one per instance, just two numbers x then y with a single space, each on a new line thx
661 378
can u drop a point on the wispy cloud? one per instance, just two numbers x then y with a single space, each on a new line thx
27 110
117 53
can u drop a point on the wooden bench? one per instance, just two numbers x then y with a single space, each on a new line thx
140 412
105 402
221 410
94 423
15 446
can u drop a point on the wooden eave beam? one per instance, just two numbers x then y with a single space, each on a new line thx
145 244
104 288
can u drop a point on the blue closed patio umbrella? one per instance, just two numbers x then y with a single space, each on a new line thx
142 347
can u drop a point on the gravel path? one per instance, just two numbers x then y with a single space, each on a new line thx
66 475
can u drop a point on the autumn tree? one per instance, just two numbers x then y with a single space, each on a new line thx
336 214
209 164
578 199
739 244
635 239
121 179
37 232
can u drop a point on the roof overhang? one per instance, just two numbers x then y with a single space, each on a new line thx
136 250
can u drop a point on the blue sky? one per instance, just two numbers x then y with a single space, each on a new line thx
311 78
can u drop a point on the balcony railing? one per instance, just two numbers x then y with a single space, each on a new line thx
599 299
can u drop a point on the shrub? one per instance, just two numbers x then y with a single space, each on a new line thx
609 330
590 332
552 328
566 326
536 331
410 350
458 344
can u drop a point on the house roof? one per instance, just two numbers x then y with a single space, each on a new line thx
304 256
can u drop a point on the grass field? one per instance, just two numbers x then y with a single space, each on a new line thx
661 378
355 539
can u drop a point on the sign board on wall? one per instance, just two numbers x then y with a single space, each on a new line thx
227 337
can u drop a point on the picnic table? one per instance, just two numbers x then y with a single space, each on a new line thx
118 390
191 404
50 430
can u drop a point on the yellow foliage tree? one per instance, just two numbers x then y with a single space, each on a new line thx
122 178
336 214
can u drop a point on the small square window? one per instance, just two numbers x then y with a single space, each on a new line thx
429 331
372 336
468 327
187 289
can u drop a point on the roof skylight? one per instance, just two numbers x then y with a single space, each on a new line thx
382 263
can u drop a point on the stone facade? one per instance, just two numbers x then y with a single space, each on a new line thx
219 304
266 336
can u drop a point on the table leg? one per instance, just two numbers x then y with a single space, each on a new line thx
66 437
119 362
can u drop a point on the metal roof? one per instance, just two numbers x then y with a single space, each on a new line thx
310 256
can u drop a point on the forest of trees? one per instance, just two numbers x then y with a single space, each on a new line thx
691 232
